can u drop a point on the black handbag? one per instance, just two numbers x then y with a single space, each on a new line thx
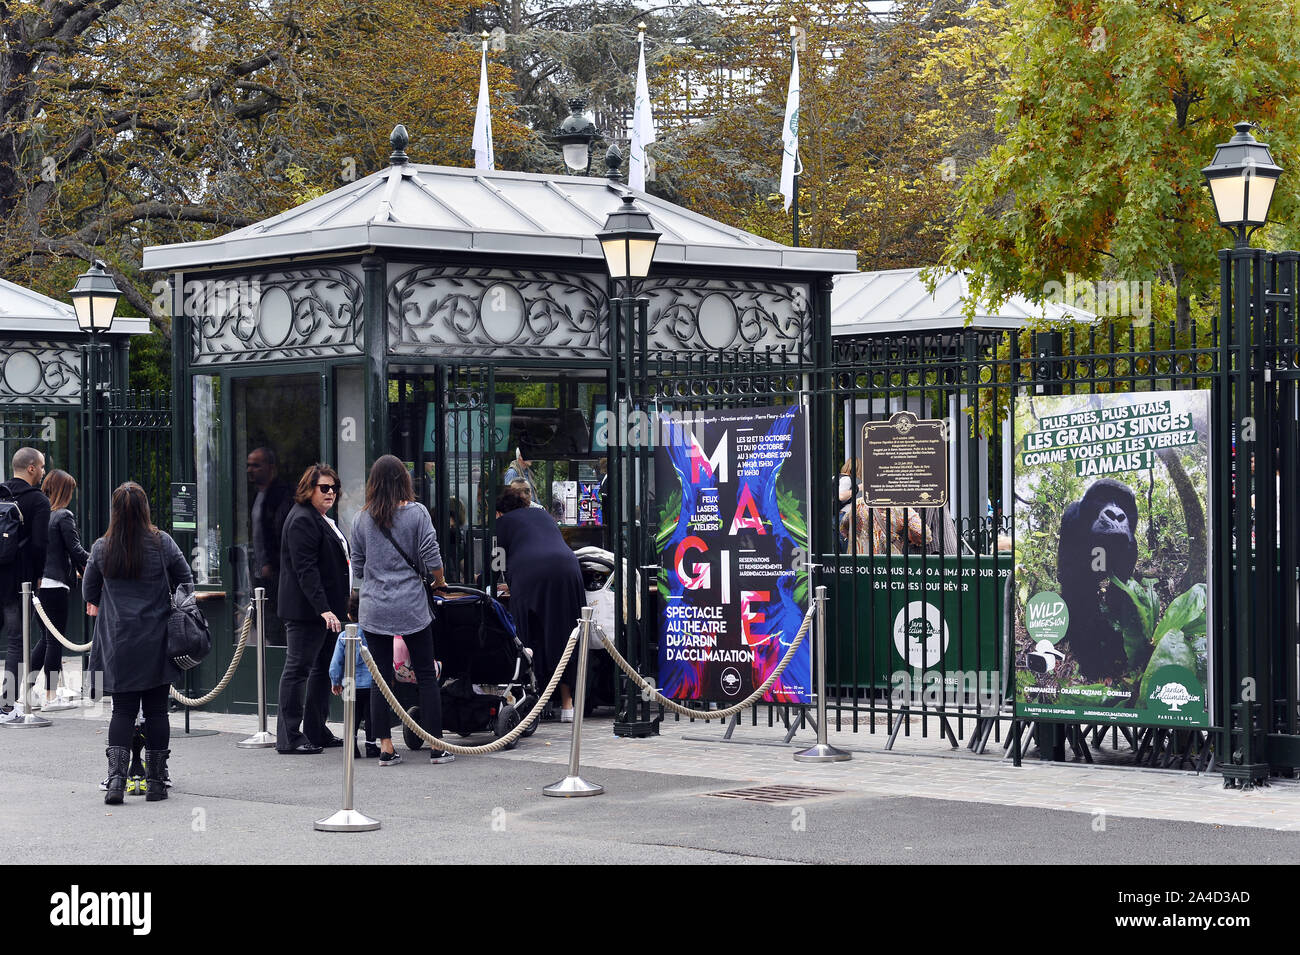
427 581
188 639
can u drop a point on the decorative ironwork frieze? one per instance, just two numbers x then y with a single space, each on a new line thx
298 313
36 372
479 312
728 315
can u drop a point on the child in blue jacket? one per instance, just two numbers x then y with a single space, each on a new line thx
362 688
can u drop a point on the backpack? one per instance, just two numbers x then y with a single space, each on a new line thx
11 527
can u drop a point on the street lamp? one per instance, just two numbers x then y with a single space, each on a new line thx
628 243
94 299
1241 180
575 136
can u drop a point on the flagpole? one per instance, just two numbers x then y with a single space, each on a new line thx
794 201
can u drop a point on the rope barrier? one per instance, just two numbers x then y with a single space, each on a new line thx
230 670
496 745
54 631
707 715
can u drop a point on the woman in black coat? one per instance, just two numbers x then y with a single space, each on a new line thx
315 581
65 561
129 580
546 589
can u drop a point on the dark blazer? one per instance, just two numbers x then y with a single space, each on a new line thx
131 629
35 508
64 557
313 568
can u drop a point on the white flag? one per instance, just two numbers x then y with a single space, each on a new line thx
790 165
483 156
643 126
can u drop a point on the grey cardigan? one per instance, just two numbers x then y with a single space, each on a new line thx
392 595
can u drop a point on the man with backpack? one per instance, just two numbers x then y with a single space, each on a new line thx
24 530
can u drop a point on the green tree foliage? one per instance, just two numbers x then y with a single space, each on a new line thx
1111 109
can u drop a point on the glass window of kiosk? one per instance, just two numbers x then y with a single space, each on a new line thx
471 422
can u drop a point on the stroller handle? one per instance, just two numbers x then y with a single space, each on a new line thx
461 589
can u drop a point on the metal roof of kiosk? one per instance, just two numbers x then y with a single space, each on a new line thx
32 315
438 208
897 300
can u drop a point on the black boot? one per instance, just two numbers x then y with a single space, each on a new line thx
118 756
155 769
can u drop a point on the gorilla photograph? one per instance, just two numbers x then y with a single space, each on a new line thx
1111 557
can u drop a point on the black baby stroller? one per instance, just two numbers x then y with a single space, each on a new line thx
487 677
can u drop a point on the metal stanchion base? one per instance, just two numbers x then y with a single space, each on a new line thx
347 820
573 786
28 721
822 753
262 740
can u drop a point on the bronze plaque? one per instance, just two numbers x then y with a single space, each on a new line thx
905 462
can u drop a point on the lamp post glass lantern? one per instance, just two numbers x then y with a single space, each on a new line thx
628 242
1241 180
575 136
94 298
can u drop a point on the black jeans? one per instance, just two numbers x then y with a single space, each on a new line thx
48 653
361 714
11 636
304 702
126 704
426 677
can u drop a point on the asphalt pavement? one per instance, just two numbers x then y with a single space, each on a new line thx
231 805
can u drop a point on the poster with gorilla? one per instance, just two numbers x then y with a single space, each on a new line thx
1112 558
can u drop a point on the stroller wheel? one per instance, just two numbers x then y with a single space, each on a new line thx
507 720
525 707
412 741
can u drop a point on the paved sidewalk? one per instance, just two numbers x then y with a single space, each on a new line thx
661 805
925 768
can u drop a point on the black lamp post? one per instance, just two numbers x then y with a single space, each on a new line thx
1241 180
575 136
628 244
94 299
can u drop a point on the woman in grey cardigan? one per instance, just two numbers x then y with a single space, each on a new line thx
394 553
65 559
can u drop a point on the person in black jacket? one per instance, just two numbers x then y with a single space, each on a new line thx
65 559
25 486
546 588
128 586
315 582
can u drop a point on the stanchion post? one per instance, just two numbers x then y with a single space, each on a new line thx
348 819
573 784
823 752
261 739
25 717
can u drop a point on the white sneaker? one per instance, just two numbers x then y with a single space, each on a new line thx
57 705
566 716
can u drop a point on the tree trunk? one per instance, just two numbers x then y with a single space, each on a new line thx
1193 516
1182 299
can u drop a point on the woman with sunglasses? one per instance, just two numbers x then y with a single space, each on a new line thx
315 581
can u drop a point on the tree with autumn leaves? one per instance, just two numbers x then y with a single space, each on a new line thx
1110 110
127 124
1018 139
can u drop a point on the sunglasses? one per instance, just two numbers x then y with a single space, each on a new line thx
327 488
